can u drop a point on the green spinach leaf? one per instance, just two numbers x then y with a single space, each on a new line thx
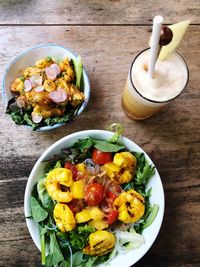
84 144
43 195
39 214
55 256
79 236
108 147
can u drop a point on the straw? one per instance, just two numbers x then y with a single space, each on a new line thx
157 24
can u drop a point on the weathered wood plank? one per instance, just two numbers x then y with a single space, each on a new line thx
96 11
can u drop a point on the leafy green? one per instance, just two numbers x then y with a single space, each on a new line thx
39 214
90 262
77 258
69 115
17 117
55 256
144 170
78 67
86 229
79 236
73 154
64 264
28 120
58 164
43 195
80 150
49 58
108 147
84 144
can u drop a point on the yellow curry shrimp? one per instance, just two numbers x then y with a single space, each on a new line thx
30 71
43 63
17 85
47 111
64 217
100 243
130 206
49 85
57 184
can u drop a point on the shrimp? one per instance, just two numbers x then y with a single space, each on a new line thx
17 86
49 85
57 184
30 71
64 217
100 243
48 111
130 206
43 63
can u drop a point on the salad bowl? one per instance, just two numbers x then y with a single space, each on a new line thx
149 234
28 58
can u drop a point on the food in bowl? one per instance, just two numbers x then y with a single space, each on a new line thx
47 93
93 202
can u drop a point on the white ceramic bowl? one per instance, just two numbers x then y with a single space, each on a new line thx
28 58
149 234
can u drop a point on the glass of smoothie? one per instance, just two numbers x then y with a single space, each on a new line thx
154 82
142 96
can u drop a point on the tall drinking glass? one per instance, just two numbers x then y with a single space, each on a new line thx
143 96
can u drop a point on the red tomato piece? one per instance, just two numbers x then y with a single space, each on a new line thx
112 217
111 196
70 166
100 157
94 194
75 205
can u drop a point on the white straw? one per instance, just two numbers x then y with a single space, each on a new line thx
157 24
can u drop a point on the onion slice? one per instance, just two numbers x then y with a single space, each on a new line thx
58 96
36 80
50 72
39 89
36 117
56 68
27 86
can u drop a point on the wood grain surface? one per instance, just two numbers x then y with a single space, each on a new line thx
172 138
96 11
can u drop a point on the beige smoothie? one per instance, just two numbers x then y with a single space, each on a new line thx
144 96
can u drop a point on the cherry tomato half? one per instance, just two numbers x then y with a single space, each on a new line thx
100 157
94 194
112 217
70 166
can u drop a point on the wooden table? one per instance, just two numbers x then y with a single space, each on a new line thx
107 34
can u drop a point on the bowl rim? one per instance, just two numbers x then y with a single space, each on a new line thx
20 55
104 134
